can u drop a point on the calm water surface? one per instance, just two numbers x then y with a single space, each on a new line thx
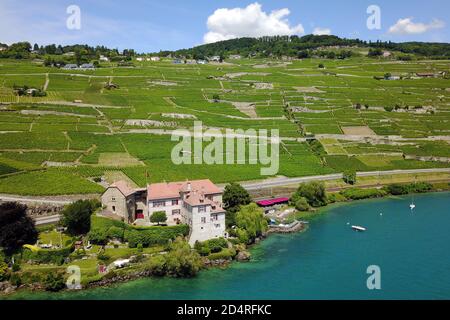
329 261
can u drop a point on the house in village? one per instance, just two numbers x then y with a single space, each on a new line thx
425 75
87 66
195 203
155 59
70 66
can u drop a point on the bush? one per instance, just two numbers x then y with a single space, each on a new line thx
158 217
224 254
302 204
115 233
242 235
234 196
314 192
358 194
349 177
181 261
157 265
15 280
15 267
155 235
401 189
140 248
48 256
54 282
4 271
397 189
210 246
133 235
103 257
16 228
336 197
77 216
98 236
251 218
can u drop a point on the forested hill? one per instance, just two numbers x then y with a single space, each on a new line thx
295 46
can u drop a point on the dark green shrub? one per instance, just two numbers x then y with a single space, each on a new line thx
15 280
359 194
302 204
224 254
54 282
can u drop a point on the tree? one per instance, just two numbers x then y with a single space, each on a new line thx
314 192
158 217
216 97
181 260
77 216
4 271
234 196
251 218
349 177
302 204
54 282
16 228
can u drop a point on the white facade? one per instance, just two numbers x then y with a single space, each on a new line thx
197 204
172 207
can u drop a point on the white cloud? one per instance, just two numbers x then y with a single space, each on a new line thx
407 26
321 31
251 21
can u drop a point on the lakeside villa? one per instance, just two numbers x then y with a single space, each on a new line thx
195 203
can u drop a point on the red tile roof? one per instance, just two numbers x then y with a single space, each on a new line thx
271 202
123 187
172 189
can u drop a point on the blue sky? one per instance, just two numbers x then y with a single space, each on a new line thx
173 24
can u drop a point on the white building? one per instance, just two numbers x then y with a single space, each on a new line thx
155 59
196 203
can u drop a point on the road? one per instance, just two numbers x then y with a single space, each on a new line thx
280 182
47 220
265 184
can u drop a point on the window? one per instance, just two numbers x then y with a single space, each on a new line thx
175 212
202 209
203 220
174 202
114 208
217 225
159 204
113 199
214 217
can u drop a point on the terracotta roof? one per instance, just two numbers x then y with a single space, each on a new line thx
172 189
123 187
163 191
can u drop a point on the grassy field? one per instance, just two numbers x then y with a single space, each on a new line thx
53 145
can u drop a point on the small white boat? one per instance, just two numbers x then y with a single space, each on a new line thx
358 228
412 206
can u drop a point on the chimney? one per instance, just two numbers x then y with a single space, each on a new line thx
189 186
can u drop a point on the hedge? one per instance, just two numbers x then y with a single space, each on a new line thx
224 254
103 229
358 194
48 256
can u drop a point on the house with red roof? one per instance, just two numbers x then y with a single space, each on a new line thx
196 203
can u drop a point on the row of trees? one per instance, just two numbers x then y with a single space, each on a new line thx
301 47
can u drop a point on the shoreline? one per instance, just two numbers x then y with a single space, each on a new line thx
212 264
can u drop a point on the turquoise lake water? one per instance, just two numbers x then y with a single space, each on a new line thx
328 261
